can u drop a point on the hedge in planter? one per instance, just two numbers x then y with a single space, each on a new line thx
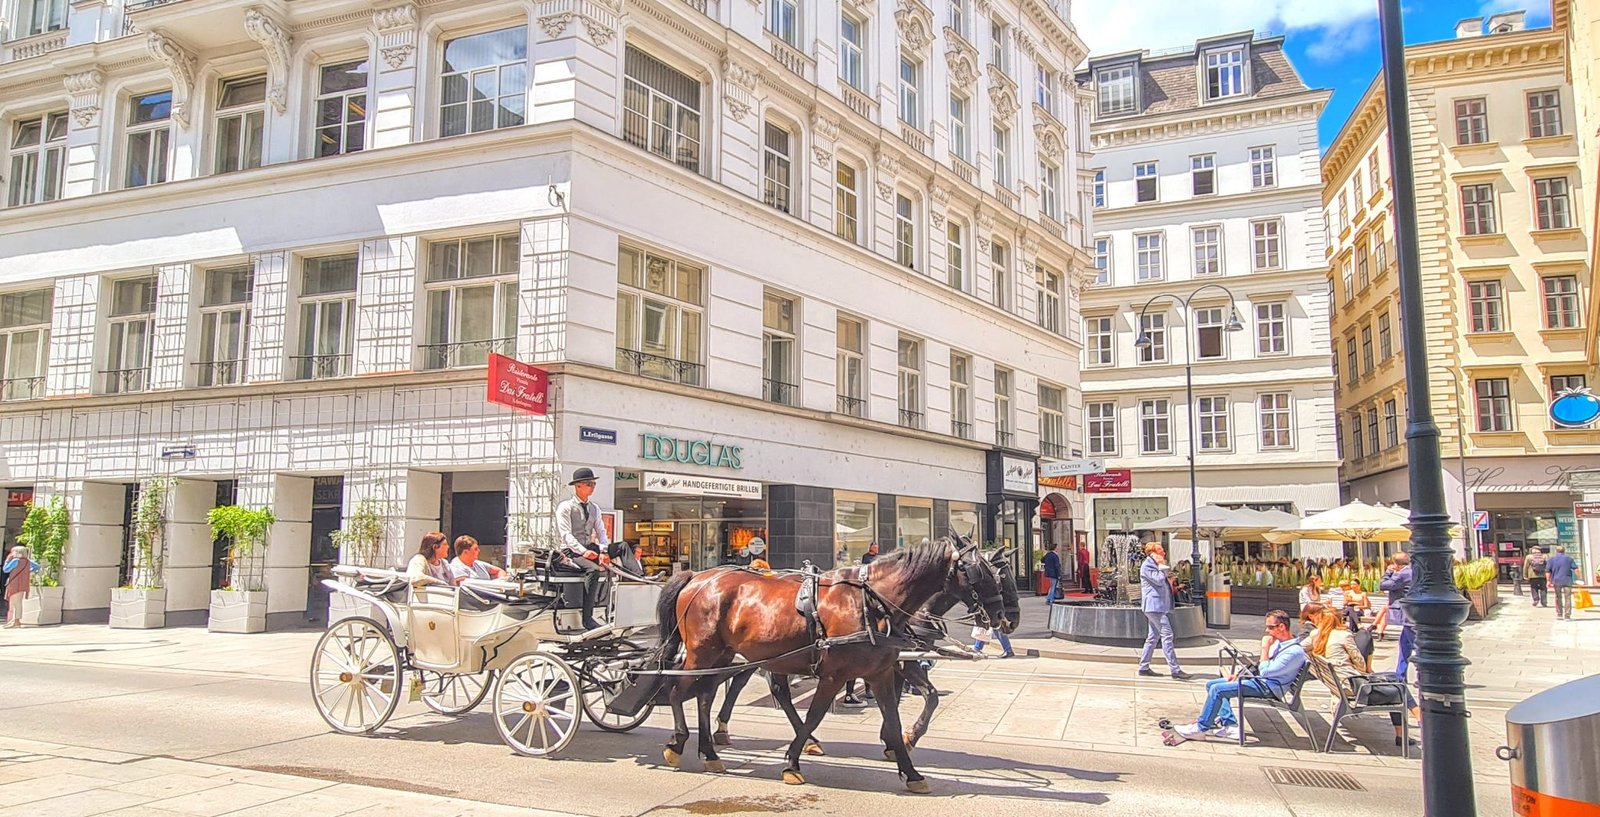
242 606
142 603
45 531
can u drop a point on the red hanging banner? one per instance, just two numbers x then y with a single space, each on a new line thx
517 385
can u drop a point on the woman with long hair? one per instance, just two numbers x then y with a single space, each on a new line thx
1312 592
431 560
19 570
1336 644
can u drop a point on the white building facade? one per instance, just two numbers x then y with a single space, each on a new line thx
1208 239
785 264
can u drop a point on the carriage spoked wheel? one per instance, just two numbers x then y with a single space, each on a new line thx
601 685
455 694
356 675
536 704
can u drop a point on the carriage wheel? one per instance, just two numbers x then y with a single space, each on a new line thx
355 675
455 694
536 704
601 685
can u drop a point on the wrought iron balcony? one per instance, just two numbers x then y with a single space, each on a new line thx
219 373
22 388
126 381
1004 438
321 367
961 429
644 364
465 353
853 406
910 419
777 391
1055 450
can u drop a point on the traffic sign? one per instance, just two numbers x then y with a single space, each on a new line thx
1071 468
1480 520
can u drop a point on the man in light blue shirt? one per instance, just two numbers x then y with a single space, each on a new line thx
1155 596
1278 671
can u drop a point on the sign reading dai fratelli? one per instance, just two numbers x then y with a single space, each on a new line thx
517 385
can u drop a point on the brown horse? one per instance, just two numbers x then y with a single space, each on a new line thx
722 613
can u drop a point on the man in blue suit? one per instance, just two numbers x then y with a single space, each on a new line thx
1155 596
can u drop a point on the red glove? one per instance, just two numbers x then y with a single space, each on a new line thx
591 555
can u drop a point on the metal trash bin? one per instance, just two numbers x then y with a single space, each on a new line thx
1552 740
1219 600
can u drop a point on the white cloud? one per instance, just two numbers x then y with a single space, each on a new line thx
1109 26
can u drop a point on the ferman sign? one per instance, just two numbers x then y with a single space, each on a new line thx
662 448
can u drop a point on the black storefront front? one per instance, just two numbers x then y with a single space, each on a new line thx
1011 488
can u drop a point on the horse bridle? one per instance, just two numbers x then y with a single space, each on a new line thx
972 567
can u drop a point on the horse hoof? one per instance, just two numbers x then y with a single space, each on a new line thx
672 758
793 778
814 748
918 787
716 767
721 739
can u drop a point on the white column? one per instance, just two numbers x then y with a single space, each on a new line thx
72 336
189 554
269 304
288 552
387 312
398 92
406 500
94 550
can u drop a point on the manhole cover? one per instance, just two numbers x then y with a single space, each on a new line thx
1313 779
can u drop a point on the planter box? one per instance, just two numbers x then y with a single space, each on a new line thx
137 609
238 611
42 607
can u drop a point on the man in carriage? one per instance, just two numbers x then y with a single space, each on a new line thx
585 547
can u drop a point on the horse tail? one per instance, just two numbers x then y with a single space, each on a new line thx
667 615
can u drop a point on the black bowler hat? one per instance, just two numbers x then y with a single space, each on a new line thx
582 475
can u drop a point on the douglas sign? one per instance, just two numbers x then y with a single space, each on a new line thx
661 448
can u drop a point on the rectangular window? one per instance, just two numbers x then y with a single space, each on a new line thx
1144 182
961 396
905 233
1000 270
149 139
1203 174
1356 195
782 21
998 34
1272 329
1472 122
1560 301
128 340
1207 250
661 109
846 203
1153 338
38 159
1372 431
660 315
1050 300
1101 419
1224 73
958 127
1149 262
1477 209
1155 426
470 291
1487 305
1100 348
1494 403
40 16
958 18
1116 91
25 342
910 91
1050 190
1210 337
241 118
342 108
1212 414
1052 424
1044 83
483 84
1347 274
1266 239
1553 203
1100 188
1367 359
850 338
1566 382
1344 212
1363 272
327 317
778 364
1002 156
1102 261
1353 373
1003 424
955 254
910 382
1391 424
851 40
224 326
1276 420
1380 255
1372 172
776 168
1544 114
1357 442
1385 337
1263 167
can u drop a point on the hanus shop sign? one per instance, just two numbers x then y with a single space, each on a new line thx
662 448
692 485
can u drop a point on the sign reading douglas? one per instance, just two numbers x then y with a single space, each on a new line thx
661 448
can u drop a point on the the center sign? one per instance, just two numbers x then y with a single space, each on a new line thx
517 385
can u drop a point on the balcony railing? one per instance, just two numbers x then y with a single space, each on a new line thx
465 353
1007 197
320 367
661 368
126 381
22 388
913 137
141 5
910 419
219 373
860 102
1004 438
1055 450
853 406
961 429
777 391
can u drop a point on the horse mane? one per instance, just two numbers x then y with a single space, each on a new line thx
917 558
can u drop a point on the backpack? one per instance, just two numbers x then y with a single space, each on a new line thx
1536 566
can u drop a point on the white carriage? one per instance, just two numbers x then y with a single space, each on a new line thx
512 640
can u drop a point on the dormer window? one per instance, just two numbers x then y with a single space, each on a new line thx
1116 90
1225 73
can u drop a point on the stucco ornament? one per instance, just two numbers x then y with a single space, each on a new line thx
274 41
179 62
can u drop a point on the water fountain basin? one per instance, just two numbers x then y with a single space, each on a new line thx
1119 625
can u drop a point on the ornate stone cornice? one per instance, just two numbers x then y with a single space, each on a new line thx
397 34
274 41
563 18
738 87
961 58
1135 132
825 126
85 88
1002 95
1047 136
915 21
179 62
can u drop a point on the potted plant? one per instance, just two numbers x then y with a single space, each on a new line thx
142 602
241 607
45 530
1473 579
360 542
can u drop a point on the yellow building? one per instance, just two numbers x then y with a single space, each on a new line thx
1580 21
1502 211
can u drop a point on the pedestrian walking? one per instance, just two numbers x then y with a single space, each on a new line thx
1563 574
1397 583
1155 596
1052 571
1084 560
1536 567
980 635
19 570
872 553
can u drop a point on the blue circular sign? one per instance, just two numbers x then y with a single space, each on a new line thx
1575 409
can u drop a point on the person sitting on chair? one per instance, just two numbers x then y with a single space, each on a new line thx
467 565
585 547
1279 668
430 565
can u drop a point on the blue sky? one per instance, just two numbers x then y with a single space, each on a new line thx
1333 43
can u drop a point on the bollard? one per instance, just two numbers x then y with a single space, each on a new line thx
1219 601
1552 740
1516 580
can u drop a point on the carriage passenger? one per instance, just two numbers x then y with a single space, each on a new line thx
467 565
430 563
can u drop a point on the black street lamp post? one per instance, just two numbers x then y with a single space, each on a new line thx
1434 606
1197 576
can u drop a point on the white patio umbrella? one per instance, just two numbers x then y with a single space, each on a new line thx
1357 522
1213 522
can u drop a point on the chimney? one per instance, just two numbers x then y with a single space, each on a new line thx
1508 22
1470 27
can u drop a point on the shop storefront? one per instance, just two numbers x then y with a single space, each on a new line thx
1512 535
1012 497
681 522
